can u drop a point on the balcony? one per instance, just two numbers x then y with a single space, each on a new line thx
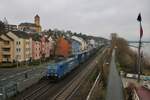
6 46
6 60
5 52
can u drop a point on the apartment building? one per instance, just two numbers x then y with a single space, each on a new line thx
36 47
22 45
6 49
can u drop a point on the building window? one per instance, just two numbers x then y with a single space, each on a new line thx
18 57
18 42
18 49
27 49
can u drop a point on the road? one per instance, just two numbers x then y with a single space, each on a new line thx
114 88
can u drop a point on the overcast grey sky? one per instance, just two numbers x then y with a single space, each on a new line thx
94 17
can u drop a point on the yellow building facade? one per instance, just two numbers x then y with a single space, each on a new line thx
15 46
22 45
6 49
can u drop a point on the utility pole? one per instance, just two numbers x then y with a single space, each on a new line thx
139 60
139 19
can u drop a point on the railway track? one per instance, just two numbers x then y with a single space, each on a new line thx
67 92
39 91
49 91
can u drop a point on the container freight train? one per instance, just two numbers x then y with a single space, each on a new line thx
59 69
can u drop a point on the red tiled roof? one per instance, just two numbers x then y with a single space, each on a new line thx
143 93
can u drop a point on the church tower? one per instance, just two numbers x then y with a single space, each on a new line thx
37 23
37 20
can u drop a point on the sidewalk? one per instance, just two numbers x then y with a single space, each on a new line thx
114 86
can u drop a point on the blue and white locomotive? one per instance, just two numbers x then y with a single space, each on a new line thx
59 69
